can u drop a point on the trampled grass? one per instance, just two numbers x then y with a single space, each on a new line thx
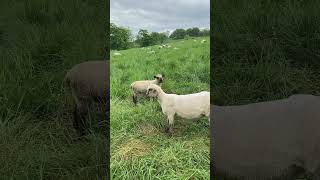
139 147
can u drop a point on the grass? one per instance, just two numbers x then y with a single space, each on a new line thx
139 147
39 41
264 50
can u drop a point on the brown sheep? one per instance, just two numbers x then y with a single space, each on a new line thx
277 139
88 81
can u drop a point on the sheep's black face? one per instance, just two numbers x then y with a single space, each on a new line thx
152 92
159 78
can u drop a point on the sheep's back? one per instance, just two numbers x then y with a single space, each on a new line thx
90 78
192 105
264 139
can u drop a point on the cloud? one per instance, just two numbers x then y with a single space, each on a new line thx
155 15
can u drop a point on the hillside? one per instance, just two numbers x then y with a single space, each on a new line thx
139 146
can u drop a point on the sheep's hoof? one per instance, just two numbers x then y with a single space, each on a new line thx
168 131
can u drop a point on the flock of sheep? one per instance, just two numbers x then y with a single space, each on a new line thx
162 46
188 106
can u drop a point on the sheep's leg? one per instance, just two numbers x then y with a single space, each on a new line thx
76 118
170 121
135 98
82 112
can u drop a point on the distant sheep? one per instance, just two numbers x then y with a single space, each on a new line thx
189 106
117 54
203 41
267 140
151 52
89 81
140 87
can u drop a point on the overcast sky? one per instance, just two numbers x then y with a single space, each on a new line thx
160 15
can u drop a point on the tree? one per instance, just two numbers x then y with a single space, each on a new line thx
193 32
120 37
158 37
205 32
144 38
178 34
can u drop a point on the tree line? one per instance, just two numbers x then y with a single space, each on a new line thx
122 38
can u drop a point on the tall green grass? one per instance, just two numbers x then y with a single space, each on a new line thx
39 41
264 50
139 147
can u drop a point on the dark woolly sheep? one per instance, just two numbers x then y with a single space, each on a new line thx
268 140
89 81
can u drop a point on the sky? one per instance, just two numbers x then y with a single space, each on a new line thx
160 15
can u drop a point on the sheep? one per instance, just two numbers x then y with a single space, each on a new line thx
189 106
117 54
88 81
203 41
140 87
266 140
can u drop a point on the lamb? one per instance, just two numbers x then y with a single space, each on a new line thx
267 140
140 87
189 106
88 81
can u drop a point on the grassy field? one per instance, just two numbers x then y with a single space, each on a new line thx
139 147
39 41
264 50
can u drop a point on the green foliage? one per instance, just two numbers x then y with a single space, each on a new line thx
193 32
264 50
178 34
120 37
144 38
158 38
139 147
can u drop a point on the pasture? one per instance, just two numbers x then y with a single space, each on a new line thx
140 149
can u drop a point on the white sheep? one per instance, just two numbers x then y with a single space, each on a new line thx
140 87
203 41
189 106
117 54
